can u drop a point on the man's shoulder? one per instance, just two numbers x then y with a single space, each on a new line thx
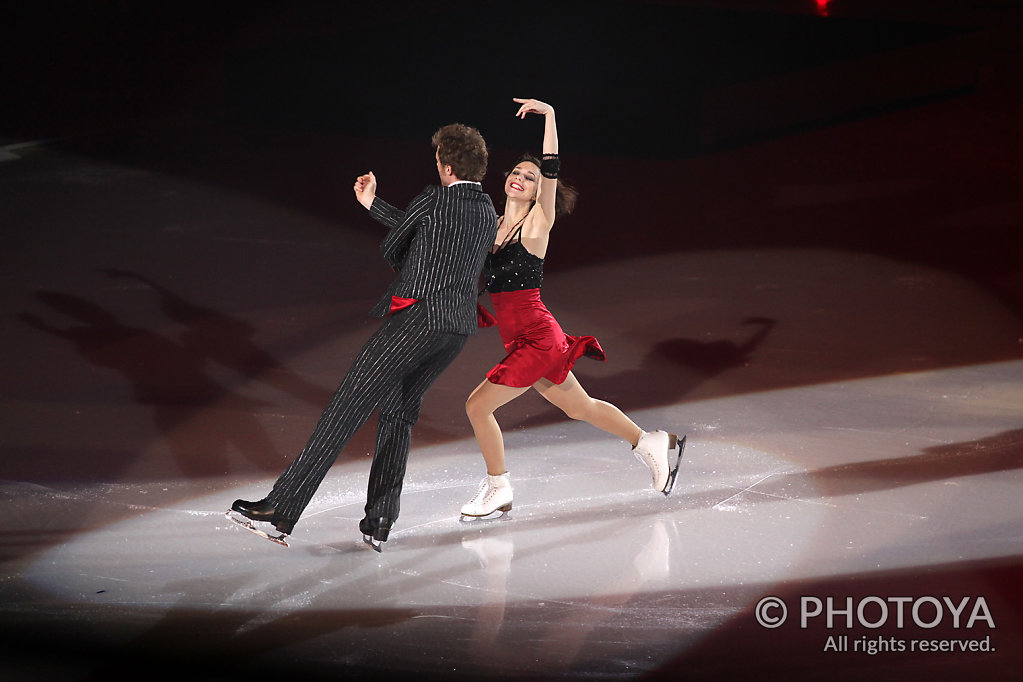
466 188
462 192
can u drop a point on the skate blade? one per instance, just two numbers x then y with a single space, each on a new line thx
496 515
245 523
674 472
377 545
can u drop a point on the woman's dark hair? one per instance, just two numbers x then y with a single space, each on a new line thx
462 148
564 200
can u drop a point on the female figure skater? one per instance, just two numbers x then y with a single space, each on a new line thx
540 354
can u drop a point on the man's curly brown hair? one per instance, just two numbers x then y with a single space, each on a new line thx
464 149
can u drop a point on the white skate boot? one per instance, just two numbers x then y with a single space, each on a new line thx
494 495
654 450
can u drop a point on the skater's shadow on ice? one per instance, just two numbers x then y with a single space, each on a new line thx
1001 452
227 341
200 420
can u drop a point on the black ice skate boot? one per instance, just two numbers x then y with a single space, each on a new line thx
260 511
375 531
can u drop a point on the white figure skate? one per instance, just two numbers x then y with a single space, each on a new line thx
654 450
494 495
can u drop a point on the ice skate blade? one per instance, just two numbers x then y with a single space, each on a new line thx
281 539
681 444
377 545
496 515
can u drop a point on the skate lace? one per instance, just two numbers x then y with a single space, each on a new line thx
485 492
649 460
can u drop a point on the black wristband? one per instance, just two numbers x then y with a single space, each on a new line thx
550 166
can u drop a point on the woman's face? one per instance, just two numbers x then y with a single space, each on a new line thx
521 183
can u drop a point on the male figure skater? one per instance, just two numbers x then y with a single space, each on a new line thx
436 246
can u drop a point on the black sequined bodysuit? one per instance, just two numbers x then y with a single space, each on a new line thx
512 268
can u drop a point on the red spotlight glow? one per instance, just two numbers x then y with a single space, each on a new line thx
822 7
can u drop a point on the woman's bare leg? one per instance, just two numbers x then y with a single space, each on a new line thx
576 403
480 407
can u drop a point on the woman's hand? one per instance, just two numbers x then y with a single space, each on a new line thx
366 189
532 106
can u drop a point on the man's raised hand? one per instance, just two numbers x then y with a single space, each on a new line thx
366 189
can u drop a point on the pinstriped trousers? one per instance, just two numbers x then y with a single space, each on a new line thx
392 371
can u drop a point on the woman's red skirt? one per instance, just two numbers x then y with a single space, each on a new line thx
537 346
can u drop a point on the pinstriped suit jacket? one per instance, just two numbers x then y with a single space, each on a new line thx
437 246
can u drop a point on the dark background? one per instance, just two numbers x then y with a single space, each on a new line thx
277 94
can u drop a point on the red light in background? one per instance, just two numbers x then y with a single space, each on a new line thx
822 7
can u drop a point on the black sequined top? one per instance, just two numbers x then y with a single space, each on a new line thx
511 267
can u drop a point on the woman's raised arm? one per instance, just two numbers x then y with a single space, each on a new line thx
548 190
